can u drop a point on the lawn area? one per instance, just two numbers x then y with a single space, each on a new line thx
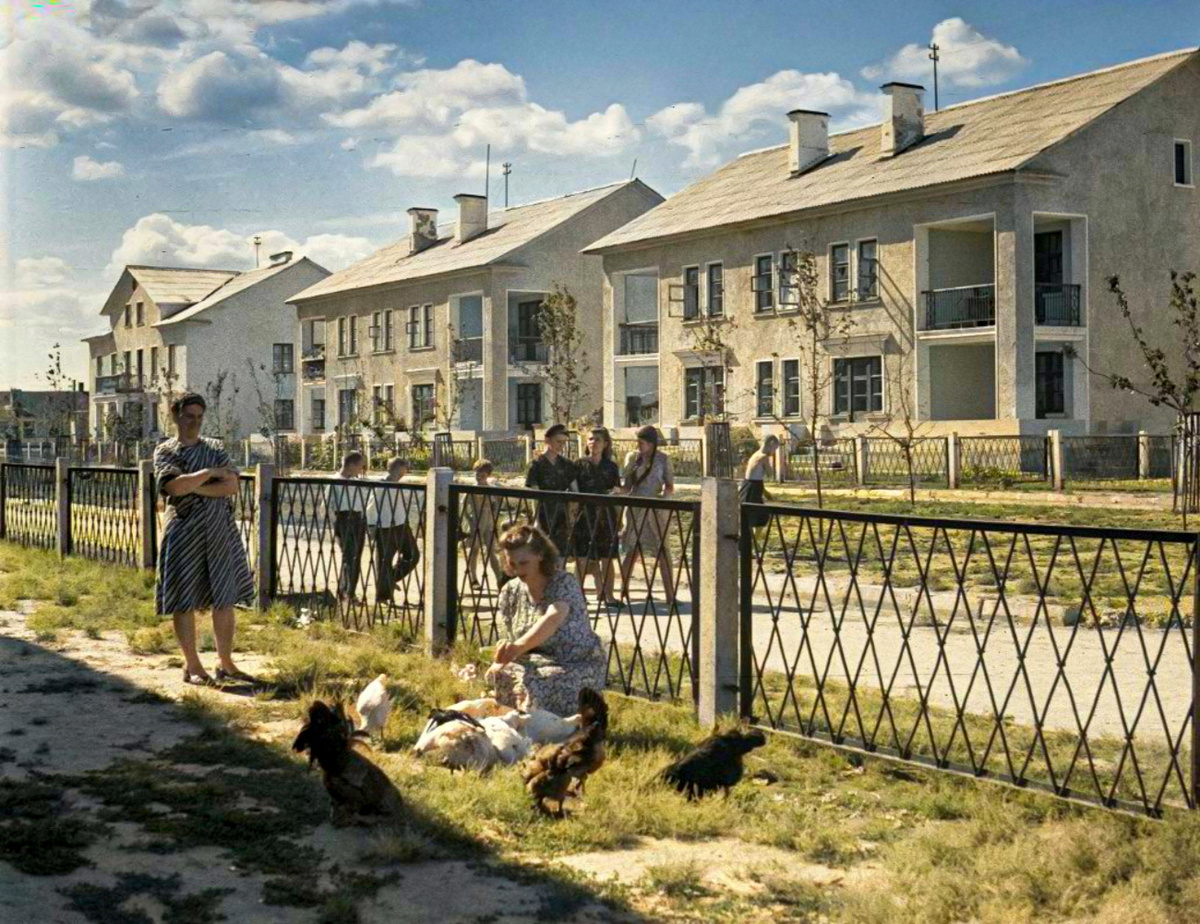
841 837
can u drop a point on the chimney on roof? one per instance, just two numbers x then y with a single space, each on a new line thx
472 216
279 259
423 231
808 139
903 117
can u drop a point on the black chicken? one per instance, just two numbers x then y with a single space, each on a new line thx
361 792
716 763
558 768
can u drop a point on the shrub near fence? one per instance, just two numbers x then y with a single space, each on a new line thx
507 456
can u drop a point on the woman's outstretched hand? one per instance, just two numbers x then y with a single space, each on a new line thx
505 653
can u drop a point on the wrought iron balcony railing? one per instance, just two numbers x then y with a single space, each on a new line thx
1057 305
120 383
637 339
964 306
468 350
527 350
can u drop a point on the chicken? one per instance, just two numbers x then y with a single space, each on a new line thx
542 727
480 708
558 768
360 791
373 705
509 743
716 763
456 740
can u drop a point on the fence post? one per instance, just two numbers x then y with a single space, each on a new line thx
63 506
264 490
952 476
720 517
147 511
528 450
781 461
1143 455
1056 459
861 460
704 472
437 561
3 498
479 448
1194 802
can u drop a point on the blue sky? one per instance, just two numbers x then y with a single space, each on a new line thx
134 131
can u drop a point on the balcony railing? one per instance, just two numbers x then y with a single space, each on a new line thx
965 306
527 350
468 350
637 339
313 351
312 369
1057 305
120 383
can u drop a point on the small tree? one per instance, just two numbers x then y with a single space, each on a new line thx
462 367
63 408
710 346
220 420
566 363
266 396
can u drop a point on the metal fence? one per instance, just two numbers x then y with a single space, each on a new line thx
836 462
887 462
1100 458
28 505
507 456
1001 459
639 555
105 516
1046 656
349 549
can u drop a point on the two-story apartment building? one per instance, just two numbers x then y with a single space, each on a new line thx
457 307
967 248
174 330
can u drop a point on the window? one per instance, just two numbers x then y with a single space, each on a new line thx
341 336
422 404
282 359
387 330
353 335
112 364
171 360
141 366
763 284
153 363
318 412
839 272
528 346
529 404
347 407
285 414
1183 163
868 276
127 368
791 388
716 291
764 388
704 392
128 316
377 404
376 332
789 289
428 326
858 385
641 395
141 314
691 293
389 400
312 339
414 328
1050 397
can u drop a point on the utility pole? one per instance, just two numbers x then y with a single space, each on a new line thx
933 56
507 170
257 244
487 175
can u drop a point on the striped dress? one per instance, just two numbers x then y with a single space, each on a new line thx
201 561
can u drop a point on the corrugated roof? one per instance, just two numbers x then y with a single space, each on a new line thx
972 139
508 230
238 283
170 286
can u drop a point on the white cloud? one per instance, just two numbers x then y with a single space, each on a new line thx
41 272
967 58
757 114
87 169
221 87
356 55
43 299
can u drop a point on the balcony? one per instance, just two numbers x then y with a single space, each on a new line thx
313 351
468 350
527 350
638 339
1057 305
119 384
961 307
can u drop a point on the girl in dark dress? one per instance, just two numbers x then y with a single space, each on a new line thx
553 471
595 541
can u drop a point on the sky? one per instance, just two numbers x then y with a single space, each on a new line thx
172 133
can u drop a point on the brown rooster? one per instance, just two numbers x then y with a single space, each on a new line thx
361 792
558 768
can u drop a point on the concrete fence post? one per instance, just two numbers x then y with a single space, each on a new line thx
528 450
1057 478
3 498
438 570
479 448
147 511
720 620
63 506
1143 455
264 551
781 462
246 452
303 454
861 458
952 460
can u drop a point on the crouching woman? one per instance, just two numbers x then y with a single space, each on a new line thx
550 651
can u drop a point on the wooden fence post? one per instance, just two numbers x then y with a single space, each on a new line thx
952 474
720 618
1143 455
63 506
1056 460
264 552
861 458
147 511
438 567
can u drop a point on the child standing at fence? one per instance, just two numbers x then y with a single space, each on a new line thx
481 516
346 504
388 512
753 490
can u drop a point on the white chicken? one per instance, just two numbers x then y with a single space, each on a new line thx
509 743
542 727
374 704
457 741
481 708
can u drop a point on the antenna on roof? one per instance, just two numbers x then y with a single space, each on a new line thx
633 170
257 244
933 56
487 173
507 170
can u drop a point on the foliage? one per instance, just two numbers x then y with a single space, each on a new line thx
220 419
268 423
566 364
63 411
902 426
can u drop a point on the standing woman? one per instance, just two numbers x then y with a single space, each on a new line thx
752 490
647 474
201 562
594 541
553 471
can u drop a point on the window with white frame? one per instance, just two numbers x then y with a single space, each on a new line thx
387 329
376 332
389 401
691 292
285 414
1183 163
839 272
868 276
763 284
353 327
703 392
422 405
858 385
764 388
427 324
341 329
790 370
789 284
317 410
282 359
716 290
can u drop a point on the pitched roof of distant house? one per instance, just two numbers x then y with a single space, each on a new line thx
508 230
232 286
174 286
973 139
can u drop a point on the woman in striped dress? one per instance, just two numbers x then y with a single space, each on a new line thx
201 561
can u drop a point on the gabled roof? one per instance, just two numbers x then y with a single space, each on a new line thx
973 139
508 230
232 286
171 287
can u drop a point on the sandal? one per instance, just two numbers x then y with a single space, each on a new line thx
198 680
224 676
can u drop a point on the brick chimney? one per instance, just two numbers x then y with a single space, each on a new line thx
903 117
472 216
423 232
808 139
